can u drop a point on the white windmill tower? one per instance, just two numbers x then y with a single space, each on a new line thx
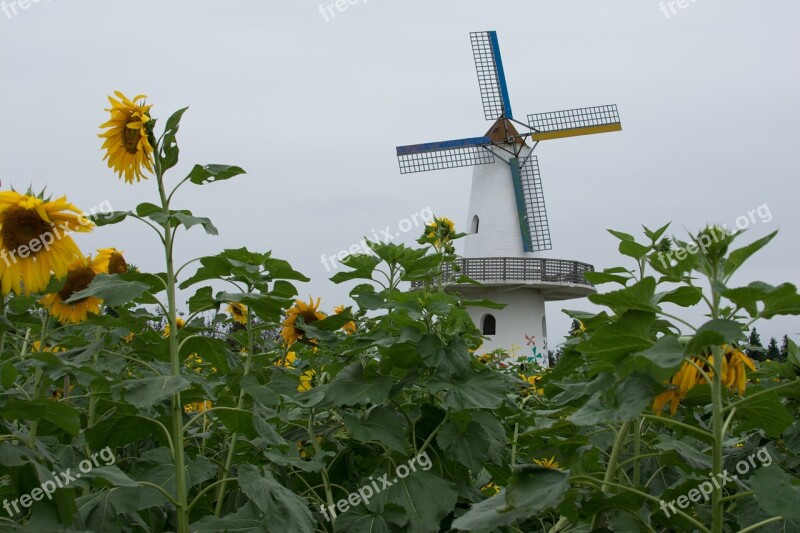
507 221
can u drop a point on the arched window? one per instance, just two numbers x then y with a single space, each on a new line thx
488 325
475 223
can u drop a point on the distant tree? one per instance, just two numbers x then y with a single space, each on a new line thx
554 356
785 348
756 350
773 352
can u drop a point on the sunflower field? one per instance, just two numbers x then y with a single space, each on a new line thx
244 408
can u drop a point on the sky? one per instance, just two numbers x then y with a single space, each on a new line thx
311 99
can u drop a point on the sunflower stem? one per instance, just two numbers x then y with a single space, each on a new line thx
717 422
175 364
223 475
612 466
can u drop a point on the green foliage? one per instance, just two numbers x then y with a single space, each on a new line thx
379 417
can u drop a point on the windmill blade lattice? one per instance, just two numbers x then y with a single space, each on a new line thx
445 154
535 208
491 76
573 122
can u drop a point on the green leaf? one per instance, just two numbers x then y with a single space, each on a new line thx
714 333
112 289
470 389
360 519
638 297
623 403
362 265
598 278
655 235
169 146
247 519
107 219
283 509
200 175
737 257
144 393
425 498
109 510
687 451
775 492
683 296
431 350
59 414
667 353
620 235
629 334
353 385
188 220
146 209
382 424
8 375
633 249
764 411
112 474
531 490
782 300
123 427
469 446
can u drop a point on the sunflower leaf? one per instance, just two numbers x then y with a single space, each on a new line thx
169 146
112 289
188 220
200 175
106 219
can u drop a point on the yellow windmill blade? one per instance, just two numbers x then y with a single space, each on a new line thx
574 122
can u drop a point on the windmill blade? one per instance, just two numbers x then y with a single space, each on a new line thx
445 154
530 204
491 77
574 122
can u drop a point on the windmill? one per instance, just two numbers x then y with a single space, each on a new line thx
507 219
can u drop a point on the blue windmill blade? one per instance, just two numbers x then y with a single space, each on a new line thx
445 154
531 208
491 77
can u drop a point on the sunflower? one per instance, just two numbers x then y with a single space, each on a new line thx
80 274
439 232
532 381
127 137
490 489
734 376
34 240
37 347
112 261
308 311
286 361
180 323
197 407
349 327
306 381
238 312
548 463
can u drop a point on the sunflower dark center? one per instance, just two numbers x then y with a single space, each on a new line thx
77 280
117 264
131 136
22 226
309 316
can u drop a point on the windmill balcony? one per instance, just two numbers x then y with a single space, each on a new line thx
557 279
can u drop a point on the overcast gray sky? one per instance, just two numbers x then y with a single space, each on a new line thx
313 108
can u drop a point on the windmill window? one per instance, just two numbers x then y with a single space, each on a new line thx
475 223
488 325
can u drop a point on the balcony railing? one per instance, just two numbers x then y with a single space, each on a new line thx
519 270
